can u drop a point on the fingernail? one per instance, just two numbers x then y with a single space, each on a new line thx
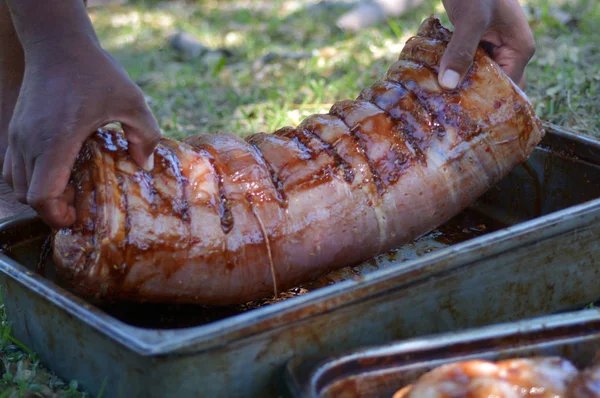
149 163
450 79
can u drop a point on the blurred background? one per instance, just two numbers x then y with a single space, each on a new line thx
256 66
251 66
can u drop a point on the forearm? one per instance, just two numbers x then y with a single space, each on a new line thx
43 25
70 88
11 73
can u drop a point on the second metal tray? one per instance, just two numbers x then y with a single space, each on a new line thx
381 371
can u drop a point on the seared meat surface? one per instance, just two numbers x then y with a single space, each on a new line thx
225 220
541 377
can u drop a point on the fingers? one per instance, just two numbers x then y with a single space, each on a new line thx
19 177
515 63
44 188
40 174
13 172
518 42
513 59
143 134
502 24
459 54
7 167
48 192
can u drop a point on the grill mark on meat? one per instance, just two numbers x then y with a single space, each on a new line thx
277 184
317 146
288 132
124 204
92 228
295 171
405 136
438 127
450 113
342 165
120 267
180 206
305 141
400 160
355 134
225 214
376 180
313 148
407 129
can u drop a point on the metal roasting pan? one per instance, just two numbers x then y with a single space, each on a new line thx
381 371
527 248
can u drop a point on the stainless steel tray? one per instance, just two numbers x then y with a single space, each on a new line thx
461 276
380 372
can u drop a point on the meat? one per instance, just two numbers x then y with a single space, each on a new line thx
541 377
224 220
587 383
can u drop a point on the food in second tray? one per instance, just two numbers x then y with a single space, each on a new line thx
543 377
225 220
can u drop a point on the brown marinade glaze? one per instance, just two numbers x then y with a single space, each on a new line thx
316 148
223 220
301 140
167 194
404 105
169 162
274 177
334 133
241 171
223 207
298 163
412 76
376 179
433 29
163 193
427 48
87 209
381 138
344 167
120 267
445 105
415 123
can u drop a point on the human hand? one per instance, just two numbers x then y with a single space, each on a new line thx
501 23
69 90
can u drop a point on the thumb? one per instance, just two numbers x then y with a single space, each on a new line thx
143 134
459 54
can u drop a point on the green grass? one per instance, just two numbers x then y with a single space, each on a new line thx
564 76
238 95
22 376
205 95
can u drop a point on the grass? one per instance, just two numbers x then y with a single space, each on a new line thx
240 94
237 95
22 376
564 77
